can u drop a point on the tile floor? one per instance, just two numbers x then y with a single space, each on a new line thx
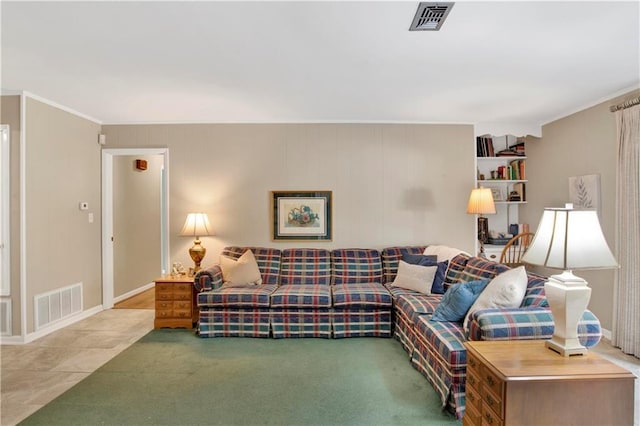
38 372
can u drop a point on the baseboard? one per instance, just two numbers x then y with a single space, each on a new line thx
606 334
133 292
20 340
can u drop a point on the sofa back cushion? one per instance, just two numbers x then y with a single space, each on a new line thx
356 266
268 260
478 268
305 266
455 270
390 258
534 296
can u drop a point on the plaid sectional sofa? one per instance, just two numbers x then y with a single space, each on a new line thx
348 293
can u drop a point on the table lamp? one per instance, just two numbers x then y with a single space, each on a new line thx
481 202
197 225
568 239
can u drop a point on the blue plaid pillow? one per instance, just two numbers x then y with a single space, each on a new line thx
457 300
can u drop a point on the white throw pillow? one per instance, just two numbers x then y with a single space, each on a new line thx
442 252
415 277
504 291
242 271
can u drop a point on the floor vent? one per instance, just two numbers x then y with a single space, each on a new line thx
430 16
5 317
57 305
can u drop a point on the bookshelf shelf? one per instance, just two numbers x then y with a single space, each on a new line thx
492 181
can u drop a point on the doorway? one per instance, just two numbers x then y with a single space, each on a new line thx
121 238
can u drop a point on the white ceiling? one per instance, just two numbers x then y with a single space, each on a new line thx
152 62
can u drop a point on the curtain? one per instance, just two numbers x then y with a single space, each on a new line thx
626 321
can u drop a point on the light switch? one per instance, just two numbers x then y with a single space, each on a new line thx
90 217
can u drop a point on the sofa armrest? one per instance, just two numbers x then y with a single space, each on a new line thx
532 323
208 279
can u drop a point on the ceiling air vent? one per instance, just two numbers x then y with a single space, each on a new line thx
430 16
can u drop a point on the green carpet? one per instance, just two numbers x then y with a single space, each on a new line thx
173 377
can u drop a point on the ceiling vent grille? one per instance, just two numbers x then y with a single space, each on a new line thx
430 16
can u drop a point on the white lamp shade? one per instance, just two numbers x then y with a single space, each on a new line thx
196 225
569 239
481 202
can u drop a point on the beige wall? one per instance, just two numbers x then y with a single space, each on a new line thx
62 169
392 184
10 114
136 222
579 144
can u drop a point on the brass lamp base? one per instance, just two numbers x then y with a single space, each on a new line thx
197 253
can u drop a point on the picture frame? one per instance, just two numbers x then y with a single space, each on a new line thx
496 193
584 192
301 215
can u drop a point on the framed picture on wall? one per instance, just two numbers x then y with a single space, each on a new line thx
584 192
301 215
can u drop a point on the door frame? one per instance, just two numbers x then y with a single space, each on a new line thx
5 204
107 214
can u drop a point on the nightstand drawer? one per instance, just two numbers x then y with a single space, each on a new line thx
492 401
164 313
182 313
472 378
182 288
473 398
164 295
490 418
493 382
164 305
472 416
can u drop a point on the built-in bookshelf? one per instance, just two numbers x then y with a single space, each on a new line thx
501 165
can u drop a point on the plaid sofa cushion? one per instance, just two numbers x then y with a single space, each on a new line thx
455 269
268 260
478 268
534 296
390 258
364 295
305 266
527 323
254 296
353 266
302 296
414 305
399 291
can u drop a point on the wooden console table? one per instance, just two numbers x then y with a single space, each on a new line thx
175 305
521 382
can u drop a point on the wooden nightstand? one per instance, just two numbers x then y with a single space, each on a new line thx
523 382
174 302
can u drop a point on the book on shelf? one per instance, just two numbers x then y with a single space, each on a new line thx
517 170
484 146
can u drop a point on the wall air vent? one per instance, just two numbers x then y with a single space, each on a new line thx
430 16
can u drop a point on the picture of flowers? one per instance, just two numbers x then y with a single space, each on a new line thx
301 215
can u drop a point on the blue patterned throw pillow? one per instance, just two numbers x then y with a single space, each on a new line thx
457 300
